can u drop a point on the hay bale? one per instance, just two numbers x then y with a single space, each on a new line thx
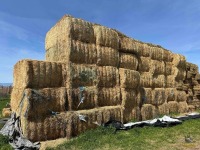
195 102
82 75
143 49
157 67
129 99
168 68
180 74
77 29
129 78
159 81
77 125
167 56
190 92
31 131
38 74
106 115
145 96
51 54
82 31
48 72
109 96
183 107
195 82
115 113
137 113
107 56
61 51
81 126
196 90
170 94
16 97
181 86
156 53
191 108
134 47
61 27
146 79
158 96
40 103
144 65
106 37
193 68
48 129
139 99
40 130
108 76
131 114
170 81
111 112
163 109
54 75
173 107
21 72
130 108
189 75
51 38
148 111
63 48
179 61
128 61
197 77
181 96
42 73
6 112
58 40
83 53
128 45
88 94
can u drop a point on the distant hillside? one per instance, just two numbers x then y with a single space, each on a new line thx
5 84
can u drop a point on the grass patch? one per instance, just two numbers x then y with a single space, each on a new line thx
4 141
4 145
150 138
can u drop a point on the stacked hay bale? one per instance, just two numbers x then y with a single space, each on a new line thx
107 43
179 76
91 55
154 68
32 74
154 65
38 90
129 77
129 83
87 78
192 87
102 74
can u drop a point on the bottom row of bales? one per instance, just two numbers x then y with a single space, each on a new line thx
69 124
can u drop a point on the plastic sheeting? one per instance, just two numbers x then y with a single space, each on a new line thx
12 129
165 121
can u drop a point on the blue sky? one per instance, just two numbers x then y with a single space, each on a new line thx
173 24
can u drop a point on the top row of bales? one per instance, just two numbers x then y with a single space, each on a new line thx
73 38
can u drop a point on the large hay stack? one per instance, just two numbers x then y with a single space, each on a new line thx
98 72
